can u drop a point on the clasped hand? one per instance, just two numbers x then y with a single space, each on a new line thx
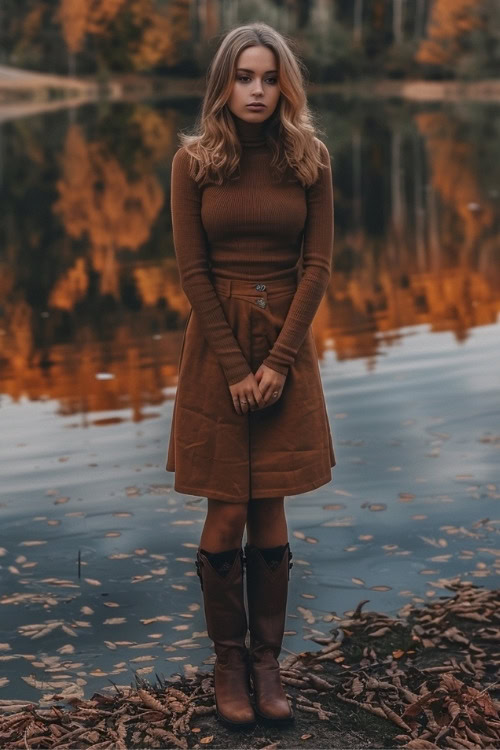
256 391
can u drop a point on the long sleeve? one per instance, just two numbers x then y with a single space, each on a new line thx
192 259
317 259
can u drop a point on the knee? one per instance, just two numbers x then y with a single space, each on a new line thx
269 508
230 521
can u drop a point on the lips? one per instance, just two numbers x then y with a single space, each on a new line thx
256 106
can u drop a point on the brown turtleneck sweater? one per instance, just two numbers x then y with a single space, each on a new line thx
252 228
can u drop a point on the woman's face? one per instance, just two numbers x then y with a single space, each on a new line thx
255 80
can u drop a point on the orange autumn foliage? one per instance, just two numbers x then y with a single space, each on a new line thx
450 21
160 34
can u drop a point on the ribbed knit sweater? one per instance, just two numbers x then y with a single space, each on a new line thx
252 227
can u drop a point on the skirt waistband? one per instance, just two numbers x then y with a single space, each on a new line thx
258 289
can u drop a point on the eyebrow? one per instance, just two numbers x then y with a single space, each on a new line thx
249 70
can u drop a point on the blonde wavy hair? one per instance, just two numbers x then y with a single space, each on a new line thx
290 131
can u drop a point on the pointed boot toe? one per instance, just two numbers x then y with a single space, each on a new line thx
272 703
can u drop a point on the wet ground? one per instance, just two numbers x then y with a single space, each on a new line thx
97 550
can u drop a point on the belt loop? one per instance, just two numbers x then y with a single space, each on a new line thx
229 287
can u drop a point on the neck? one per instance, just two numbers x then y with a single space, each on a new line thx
250 134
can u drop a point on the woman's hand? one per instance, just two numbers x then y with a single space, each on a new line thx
256 391
246 394
270 381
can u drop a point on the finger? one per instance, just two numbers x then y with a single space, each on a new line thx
266 393
236 404
244 404
251 401
256 398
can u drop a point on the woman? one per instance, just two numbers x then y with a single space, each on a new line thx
251 192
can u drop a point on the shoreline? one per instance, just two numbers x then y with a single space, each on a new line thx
426 678
23 92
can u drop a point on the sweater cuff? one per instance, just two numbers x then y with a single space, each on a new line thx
236 373
271 362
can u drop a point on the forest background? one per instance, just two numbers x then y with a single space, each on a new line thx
339 40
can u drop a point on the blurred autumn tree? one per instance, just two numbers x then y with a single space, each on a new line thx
450 27
124 34
337 39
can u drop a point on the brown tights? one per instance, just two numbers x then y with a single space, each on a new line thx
225 523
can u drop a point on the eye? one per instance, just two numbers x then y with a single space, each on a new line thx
271 80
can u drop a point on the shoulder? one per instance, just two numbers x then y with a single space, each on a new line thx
183 167
181 158
323 152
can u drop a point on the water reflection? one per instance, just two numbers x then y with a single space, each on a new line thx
88 274
91 319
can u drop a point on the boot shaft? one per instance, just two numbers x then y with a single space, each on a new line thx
267 592
224 606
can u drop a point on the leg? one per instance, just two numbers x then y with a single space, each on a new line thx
224 526
219 563
268 558
266 522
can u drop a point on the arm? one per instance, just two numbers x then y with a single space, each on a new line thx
192 260
317 257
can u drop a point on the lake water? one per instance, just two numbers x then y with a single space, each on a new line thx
97 550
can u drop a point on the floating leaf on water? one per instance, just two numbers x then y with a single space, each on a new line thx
406 496
114 621
158 618
434 542
348 521
66 649
299 534
143 657
119 556
92 581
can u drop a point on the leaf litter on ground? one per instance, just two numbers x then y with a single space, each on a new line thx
426 679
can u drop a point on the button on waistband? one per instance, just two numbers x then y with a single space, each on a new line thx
261 302
260 287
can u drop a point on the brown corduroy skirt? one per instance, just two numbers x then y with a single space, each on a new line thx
282 449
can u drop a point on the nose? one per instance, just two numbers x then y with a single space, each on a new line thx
257 89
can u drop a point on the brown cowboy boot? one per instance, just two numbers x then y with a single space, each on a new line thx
267 592
227 627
